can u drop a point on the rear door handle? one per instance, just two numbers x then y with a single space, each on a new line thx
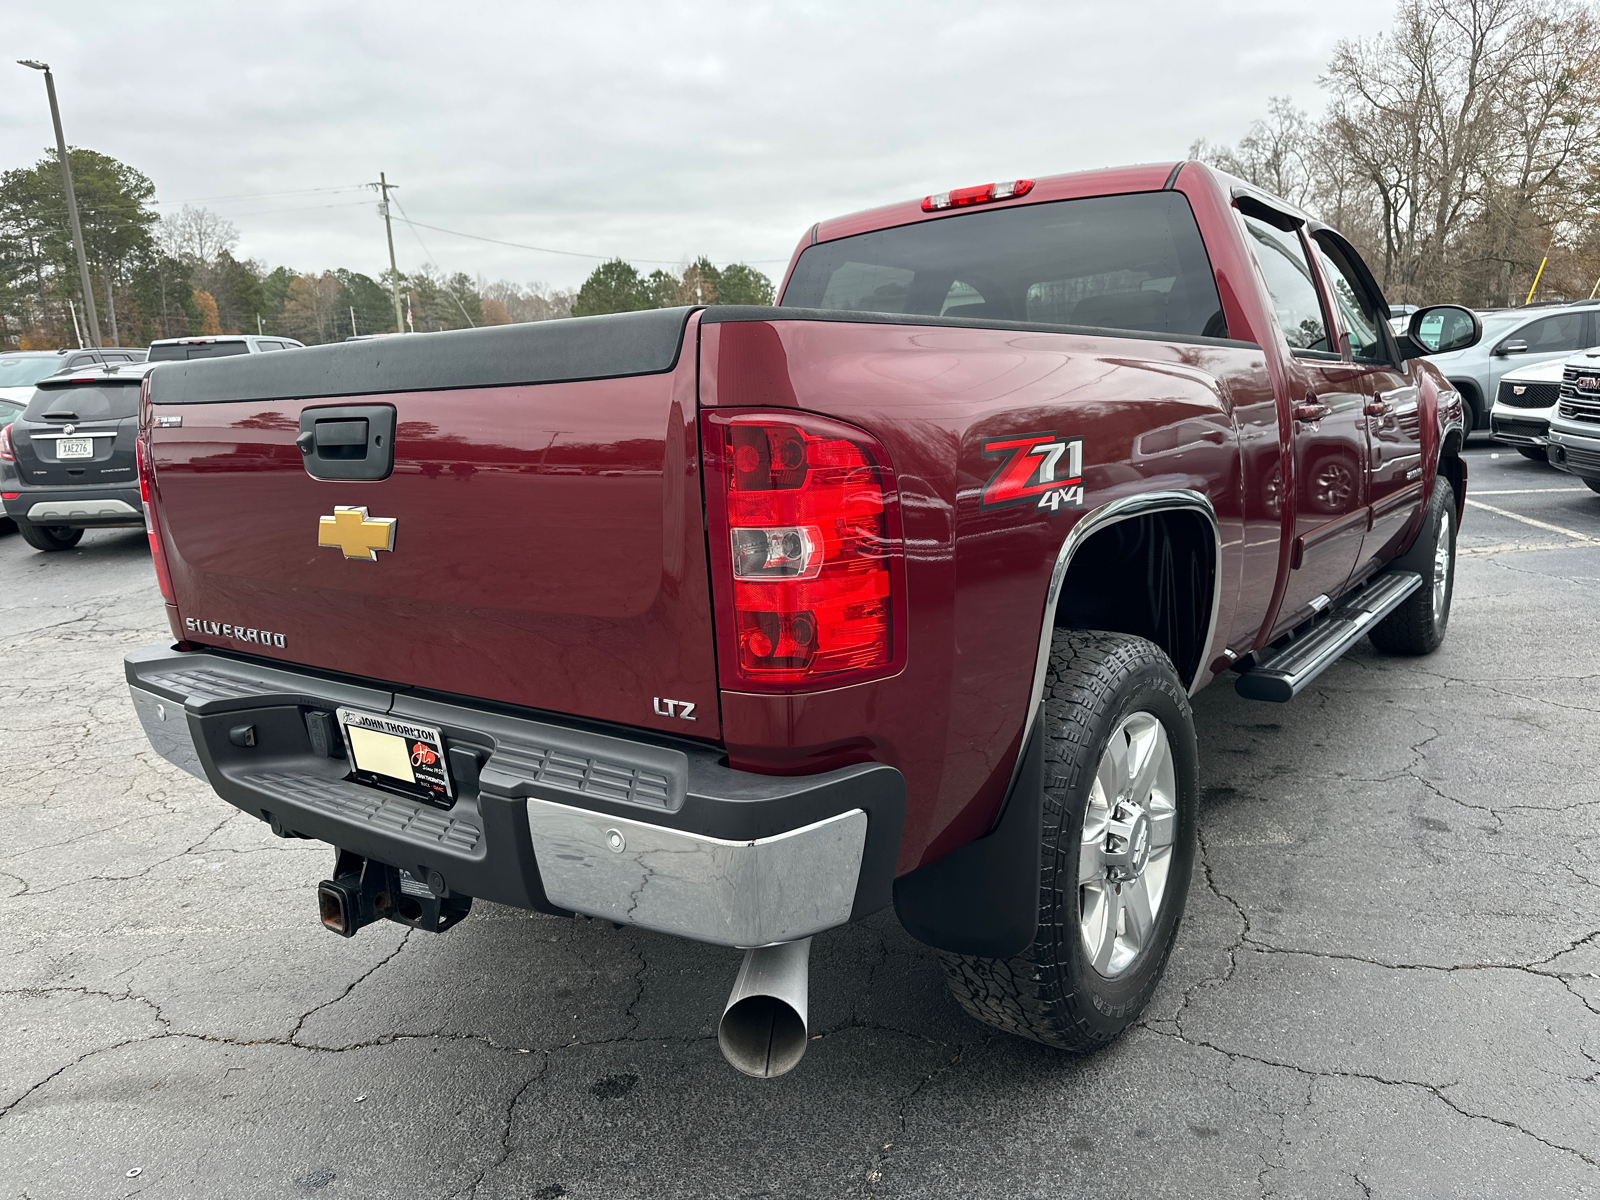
1312 410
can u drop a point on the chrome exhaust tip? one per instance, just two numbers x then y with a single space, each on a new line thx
763 1028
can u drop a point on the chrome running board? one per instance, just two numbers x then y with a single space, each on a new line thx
1284 672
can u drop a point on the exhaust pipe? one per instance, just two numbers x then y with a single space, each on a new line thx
763 1029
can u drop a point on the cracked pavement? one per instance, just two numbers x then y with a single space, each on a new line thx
1387 982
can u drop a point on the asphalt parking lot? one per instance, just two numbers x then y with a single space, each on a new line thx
1387 982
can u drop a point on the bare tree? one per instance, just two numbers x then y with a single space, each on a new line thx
1456 148
196 236
535 302
1272 154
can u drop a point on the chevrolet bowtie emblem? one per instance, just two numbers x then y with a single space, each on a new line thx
358 535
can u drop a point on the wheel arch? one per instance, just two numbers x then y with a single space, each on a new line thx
1472 396
1452 468
1185 519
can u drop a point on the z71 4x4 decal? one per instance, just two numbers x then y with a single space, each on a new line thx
1039 468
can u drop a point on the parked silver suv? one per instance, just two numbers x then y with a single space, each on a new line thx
1512 339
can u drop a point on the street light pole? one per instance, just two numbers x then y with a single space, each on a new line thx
383 185
72 200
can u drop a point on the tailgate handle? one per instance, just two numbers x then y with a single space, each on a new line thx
349 442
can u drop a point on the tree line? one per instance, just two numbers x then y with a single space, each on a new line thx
178 275
1458 151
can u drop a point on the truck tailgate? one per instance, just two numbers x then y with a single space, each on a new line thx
548 547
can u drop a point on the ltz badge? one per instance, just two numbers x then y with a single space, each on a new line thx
1040 469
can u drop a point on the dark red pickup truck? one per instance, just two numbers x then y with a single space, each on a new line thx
743 623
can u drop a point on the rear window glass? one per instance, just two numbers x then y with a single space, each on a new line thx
26 370
84 403
204 350
1117 262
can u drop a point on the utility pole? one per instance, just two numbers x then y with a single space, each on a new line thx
72 201
383 185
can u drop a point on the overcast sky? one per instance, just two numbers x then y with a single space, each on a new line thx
649 131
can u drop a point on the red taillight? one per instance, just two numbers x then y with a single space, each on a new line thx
7 453
985 193
805 551
158 556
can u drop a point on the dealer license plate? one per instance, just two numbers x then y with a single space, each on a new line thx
397 755
74 447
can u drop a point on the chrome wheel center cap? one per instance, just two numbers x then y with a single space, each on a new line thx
1127 844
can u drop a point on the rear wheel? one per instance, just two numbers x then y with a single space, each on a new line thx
1593 484
1418 625
1120 801
1534 452
49 537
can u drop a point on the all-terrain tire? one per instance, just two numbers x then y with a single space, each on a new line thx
1593 484
1419 624
1537 453
49 537
1052 992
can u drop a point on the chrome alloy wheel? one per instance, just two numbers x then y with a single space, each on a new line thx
1126 850
1441 565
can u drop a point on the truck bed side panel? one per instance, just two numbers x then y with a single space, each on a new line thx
1152 416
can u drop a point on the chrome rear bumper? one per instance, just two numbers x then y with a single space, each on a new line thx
744 893
657 833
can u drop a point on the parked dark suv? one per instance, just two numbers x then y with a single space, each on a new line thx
67 463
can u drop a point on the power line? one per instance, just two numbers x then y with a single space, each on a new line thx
343 187
429 253
669 262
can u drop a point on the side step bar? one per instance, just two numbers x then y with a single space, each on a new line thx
1281 675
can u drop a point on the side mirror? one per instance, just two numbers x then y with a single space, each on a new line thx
1442 328
1515 346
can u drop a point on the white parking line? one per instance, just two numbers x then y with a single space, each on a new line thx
1516 491
1571 533
1511 548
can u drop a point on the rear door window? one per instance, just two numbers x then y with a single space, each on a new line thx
1554 334
200 350
83 403
1133 263
1283 264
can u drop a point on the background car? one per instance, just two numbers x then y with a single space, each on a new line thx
1514 338
10 410
1399 315
220 346
21 369
1524 405
67 461
1574 437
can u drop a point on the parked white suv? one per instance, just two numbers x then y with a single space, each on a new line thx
1524 405
218 346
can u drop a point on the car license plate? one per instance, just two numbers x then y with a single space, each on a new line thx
397 755
74 447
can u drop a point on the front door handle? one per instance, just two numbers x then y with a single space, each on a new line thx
1311 410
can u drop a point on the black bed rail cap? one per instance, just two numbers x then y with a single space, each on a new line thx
566 350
